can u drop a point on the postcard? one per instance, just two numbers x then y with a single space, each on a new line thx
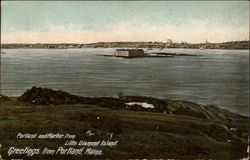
124 80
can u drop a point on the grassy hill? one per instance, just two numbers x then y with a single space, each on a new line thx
172 129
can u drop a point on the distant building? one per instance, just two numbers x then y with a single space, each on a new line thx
129 52
168 43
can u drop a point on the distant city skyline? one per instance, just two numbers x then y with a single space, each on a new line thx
110 21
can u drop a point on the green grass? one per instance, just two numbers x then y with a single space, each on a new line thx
141 134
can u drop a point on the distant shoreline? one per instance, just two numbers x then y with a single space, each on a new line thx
145 48
149 45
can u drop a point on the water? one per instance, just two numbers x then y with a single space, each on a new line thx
218 77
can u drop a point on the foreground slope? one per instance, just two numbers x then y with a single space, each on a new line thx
172 129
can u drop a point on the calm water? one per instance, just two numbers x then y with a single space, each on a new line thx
218 77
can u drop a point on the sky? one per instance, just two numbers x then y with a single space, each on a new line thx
98 21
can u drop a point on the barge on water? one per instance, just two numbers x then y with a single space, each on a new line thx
129 53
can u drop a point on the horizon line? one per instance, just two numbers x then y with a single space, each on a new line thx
122 41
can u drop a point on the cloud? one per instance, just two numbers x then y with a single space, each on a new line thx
53 22
127 33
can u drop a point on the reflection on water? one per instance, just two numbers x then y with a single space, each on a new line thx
218 77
